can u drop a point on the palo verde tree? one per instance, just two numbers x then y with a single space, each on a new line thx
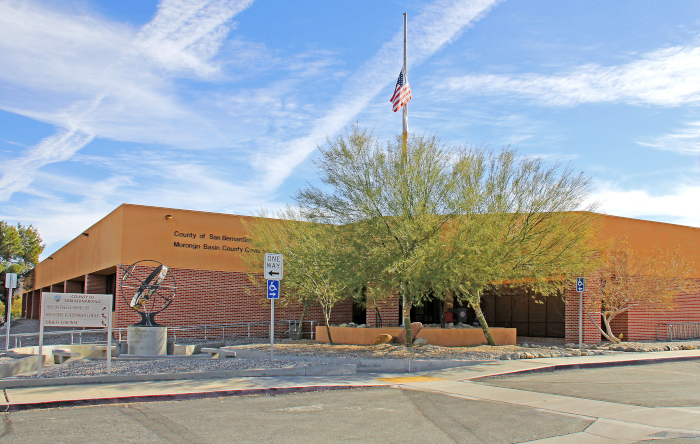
314 271
395 201
20 247
638 278
430 220
521 230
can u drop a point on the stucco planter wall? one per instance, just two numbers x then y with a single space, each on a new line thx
446 337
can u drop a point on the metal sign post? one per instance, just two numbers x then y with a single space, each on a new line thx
274 272
10 284
580 287
273 292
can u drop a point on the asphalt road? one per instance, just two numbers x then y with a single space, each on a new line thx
385 415
674 384
377 415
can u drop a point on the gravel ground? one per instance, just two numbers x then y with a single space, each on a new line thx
386 351
480 352
97 368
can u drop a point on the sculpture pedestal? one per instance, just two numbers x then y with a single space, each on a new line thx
148 341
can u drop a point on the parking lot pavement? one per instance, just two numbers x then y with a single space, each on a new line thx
673 384
376 415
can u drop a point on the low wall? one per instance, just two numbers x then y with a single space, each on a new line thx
85 350
446 337
460 337
354 335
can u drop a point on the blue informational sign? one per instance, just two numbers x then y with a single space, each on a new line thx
273 289
580 284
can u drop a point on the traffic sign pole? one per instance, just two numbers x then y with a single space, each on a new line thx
274 271
10 283
580 287
272 327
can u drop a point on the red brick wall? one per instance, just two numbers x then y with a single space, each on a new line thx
619 326
219 297
643 321
388 310
73 287
591 334
95 284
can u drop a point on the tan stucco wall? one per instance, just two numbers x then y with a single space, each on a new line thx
645 235
148 235
84 254
448 337
135 232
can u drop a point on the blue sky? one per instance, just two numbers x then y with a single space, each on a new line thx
219 105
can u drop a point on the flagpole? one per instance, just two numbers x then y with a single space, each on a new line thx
405 74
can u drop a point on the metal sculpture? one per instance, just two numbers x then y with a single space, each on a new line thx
154 289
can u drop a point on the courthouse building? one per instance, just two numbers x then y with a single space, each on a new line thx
203 251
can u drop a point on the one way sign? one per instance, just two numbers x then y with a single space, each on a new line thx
273 266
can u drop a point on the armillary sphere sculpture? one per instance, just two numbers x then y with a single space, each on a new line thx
151 287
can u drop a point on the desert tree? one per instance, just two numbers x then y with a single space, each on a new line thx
637 278
20 247
426 220
314 271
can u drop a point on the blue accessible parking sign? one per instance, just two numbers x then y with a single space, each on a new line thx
273 289
580 284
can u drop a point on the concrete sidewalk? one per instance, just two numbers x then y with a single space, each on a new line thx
21 398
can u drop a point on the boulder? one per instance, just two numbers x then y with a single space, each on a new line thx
384 339
576 353
420 341
343 325
415 328
525 345
570 345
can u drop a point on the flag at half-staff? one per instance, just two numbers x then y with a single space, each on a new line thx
402 92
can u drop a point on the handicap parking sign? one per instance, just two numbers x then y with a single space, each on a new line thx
580 284
273 289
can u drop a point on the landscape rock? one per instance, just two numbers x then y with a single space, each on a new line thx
415 328
576 353
420 341
384 339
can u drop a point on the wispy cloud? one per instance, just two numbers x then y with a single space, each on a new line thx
176 83
683 141
19 173
666 77
187 34
440 23
102 79
679 205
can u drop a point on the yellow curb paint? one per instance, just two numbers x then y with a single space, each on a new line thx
401 380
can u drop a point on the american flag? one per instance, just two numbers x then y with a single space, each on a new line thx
402 93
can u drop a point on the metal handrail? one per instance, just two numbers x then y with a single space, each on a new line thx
207 331
680 330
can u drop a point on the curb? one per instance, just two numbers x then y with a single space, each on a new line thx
318 370
585 365
179 397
